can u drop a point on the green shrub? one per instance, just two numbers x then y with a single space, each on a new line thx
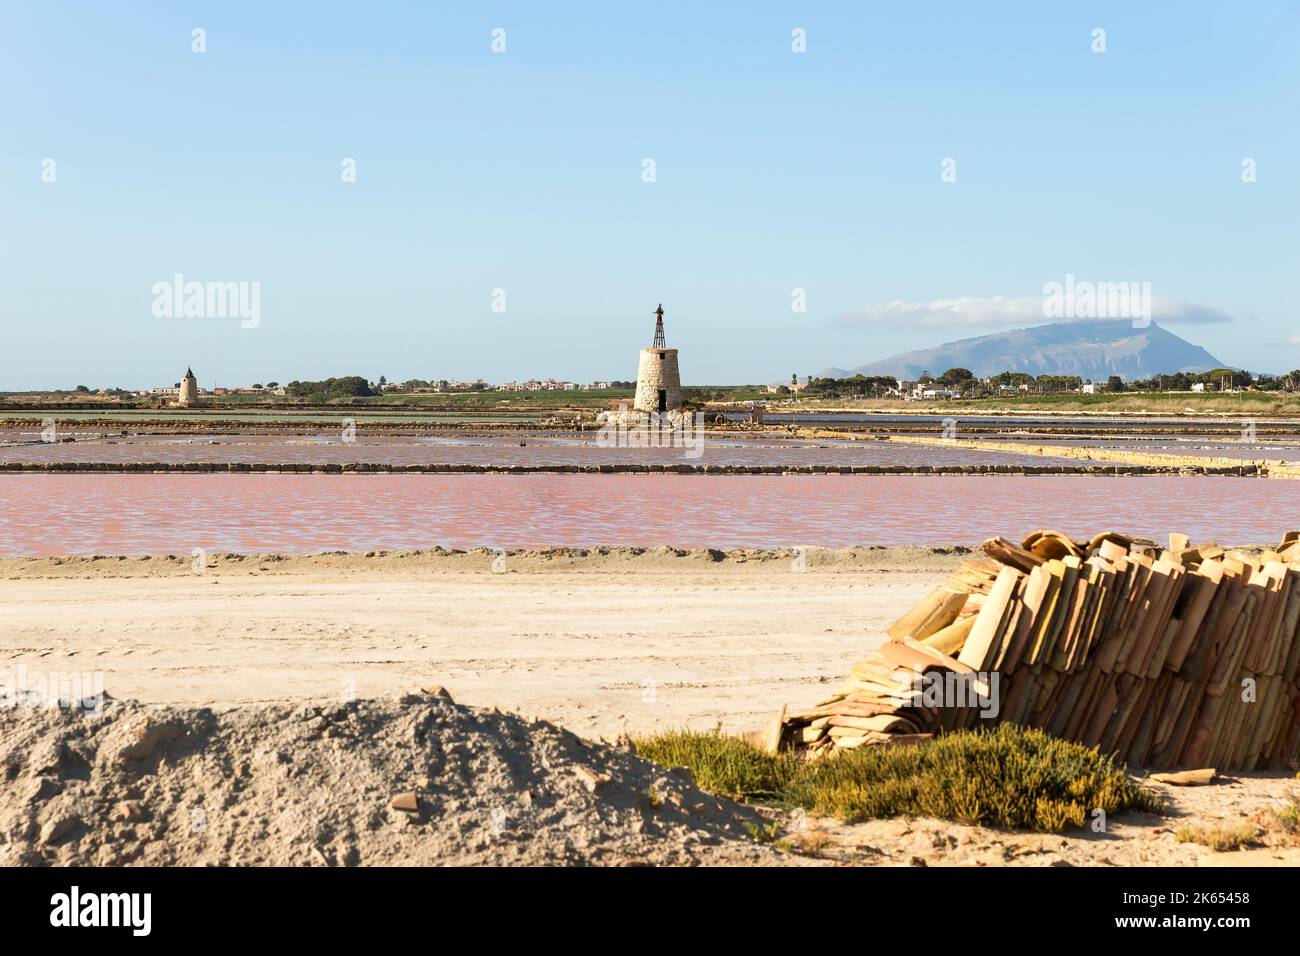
1220 839
1010 776
722 765
1287 820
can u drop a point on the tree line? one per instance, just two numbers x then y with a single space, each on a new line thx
347 386
962 379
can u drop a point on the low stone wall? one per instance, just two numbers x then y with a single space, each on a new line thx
1244 470
1200 463
118 427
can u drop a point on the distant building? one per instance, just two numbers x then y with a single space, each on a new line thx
1089 388
1198 386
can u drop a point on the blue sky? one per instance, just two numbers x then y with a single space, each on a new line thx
522 171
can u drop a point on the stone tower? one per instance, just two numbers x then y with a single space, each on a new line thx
189 389
658 382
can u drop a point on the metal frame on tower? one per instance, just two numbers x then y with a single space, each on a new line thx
659 342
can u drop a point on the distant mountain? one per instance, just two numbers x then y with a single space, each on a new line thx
1090 348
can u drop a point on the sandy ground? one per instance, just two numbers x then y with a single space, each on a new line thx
603 643
1133 839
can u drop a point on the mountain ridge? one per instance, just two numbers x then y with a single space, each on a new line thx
1090 348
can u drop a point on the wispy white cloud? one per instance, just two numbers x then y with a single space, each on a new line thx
1000 311
1181 312
965 311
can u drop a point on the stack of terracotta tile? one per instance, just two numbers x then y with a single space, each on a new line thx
1178 656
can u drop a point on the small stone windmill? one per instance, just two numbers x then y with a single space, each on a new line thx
658 382
189 393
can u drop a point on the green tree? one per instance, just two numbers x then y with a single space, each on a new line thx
1014 379
955 376
1058 383
348 386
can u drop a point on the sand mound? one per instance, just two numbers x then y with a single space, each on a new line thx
316 784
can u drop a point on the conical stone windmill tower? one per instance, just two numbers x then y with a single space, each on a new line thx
658 382
189 393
